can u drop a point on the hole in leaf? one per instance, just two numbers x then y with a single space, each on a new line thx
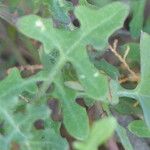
76 23
54 106
39 124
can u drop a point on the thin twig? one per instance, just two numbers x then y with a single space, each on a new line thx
24 98
126 53
122 60
123 80
31 68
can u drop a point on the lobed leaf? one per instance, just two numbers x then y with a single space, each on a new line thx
75 117
94 30
13 85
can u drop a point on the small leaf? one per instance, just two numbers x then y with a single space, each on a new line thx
139 128
97 29
126 107
75 117
121 131
102 64
59 11
46 139
13 85
94 83
100 132
136 24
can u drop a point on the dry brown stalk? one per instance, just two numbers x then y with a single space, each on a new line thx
134 76
31 68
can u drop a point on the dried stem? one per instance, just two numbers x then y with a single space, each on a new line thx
126 53
31 68
123 61
24 98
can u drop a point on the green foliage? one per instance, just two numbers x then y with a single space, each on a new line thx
136 25
19 85
72 47
60 9
126 107
100 131
74 66
75 117
139 128
121 131
142 90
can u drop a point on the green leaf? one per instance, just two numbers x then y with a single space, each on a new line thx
142 90
109 69
121 131
136 24
126 107
75 117
43 30
83 2
71 45
96 30
90 78
13 85
102 64
139 128
18 125
60 9
99 133
19 128
47 139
